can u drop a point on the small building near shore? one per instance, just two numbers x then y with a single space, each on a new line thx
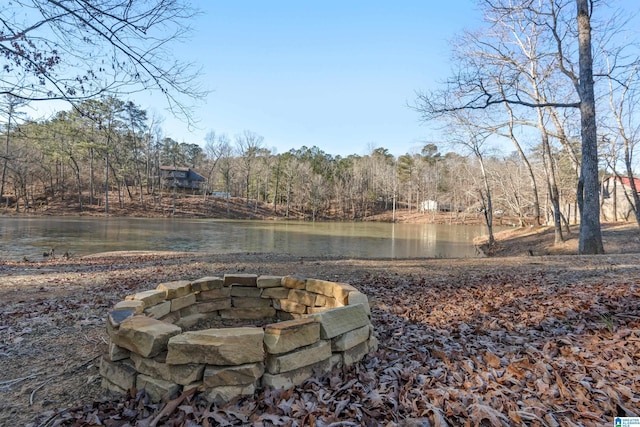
181 177
617 198
428 206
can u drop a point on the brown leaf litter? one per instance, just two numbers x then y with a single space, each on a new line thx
535 341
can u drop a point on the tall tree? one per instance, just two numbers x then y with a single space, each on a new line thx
8 109
227 169
248 144
468 134
590 241
137 129
484 85
624 133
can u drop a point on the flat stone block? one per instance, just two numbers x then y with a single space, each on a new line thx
182 302
108 385
350 339
150 298
373 343
297 376
321 300
331 302
269 281
294 282
323 303
241 279
284 316
322 287
136 305
117 353
337 321
175 289
279 292
197 385
277 364
248 302
186 322
224 394
245 291
159 310
214 294
157 389
255 313
116 317
207 284
355 354
145 336
157 367
213 305
171 317
122 374
302 297
188 310
229 346
215 376
292 307
357 297
335 361
341 292
286 336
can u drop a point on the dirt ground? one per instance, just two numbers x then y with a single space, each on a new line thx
617 238
512 339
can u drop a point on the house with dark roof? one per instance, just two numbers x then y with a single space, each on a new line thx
181 177
617 198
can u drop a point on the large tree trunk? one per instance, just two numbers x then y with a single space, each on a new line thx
590 241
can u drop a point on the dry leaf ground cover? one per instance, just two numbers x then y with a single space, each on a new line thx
537 341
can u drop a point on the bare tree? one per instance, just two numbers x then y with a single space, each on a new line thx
248 144
511 134
564 54
213 150
471 136
590 241
8 109
625 128
226 151
75 49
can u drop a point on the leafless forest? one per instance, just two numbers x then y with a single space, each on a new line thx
113 149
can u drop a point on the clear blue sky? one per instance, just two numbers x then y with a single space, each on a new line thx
334 74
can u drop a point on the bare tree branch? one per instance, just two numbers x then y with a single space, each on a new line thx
79 49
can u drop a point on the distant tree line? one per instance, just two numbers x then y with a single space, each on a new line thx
112 150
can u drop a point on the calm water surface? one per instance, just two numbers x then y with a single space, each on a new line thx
30 237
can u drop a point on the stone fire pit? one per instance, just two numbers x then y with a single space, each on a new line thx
307 328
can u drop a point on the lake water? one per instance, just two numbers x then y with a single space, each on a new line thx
31 236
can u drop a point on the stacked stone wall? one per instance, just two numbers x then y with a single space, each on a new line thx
310 327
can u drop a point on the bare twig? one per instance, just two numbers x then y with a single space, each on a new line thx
38 388
16 380
53 417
